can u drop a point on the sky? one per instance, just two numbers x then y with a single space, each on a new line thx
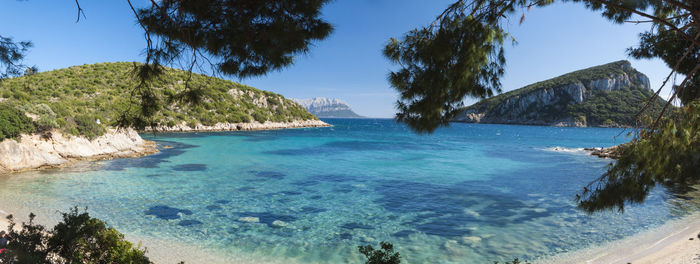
348 65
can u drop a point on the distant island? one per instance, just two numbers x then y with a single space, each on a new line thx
607 95
51 118
328 107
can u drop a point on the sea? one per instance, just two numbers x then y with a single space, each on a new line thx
468 193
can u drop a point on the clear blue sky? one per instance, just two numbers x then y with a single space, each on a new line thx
348 65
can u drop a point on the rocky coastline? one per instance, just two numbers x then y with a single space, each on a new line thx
183 127
55 149
606 153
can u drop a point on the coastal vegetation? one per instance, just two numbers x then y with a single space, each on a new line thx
84 100
614 108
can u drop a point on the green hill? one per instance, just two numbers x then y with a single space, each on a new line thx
86 99
604 95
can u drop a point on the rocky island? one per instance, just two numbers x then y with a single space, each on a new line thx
53 118
607 95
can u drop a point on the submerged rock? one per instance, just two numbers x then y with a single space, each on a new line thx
278 223
213 207
249 219
471 240
166 212
189 223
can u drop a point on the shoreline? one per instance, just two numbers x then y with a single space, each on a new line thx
54 149
253 126
666 244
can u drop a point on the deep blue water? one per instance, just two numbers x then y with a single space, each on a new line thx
469 193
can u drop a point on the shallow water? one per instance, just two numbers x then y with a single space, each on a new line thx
466 194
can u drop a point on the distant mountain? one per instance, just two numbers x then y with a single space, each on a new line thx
327 107
605 95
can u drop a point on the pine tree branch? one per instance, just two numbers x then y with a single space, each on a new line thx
669 18
674 70
80 11
675 93
652 17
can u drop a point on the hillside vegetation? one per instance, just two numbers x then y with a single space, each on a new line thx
84 100
611 95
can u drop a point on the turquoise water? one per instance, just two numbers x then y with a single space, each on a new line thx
466 194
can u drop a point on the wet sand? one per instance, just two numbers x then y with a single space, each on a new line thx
670 243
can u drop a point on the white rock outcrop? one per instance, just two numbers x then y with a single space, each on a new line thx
56 149
183 127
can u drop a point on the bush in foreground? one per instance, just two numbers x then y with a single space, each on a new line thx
79 238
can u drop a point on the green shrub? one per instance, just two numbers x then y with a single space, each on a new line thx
79 238
259 116
385 255
46 117
14 122
87 125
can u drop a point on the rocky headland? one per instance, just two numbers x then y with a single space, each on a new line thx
55 149
607 95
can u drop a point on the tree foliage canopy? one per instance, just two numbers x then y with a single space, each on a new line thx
443 64
668 156
460 54
242 38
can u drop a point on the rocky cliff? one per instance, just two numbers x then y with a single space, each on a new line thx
605 95
56 149
327 107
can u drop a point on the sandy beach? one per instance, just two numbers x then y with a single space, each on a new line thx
676 242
